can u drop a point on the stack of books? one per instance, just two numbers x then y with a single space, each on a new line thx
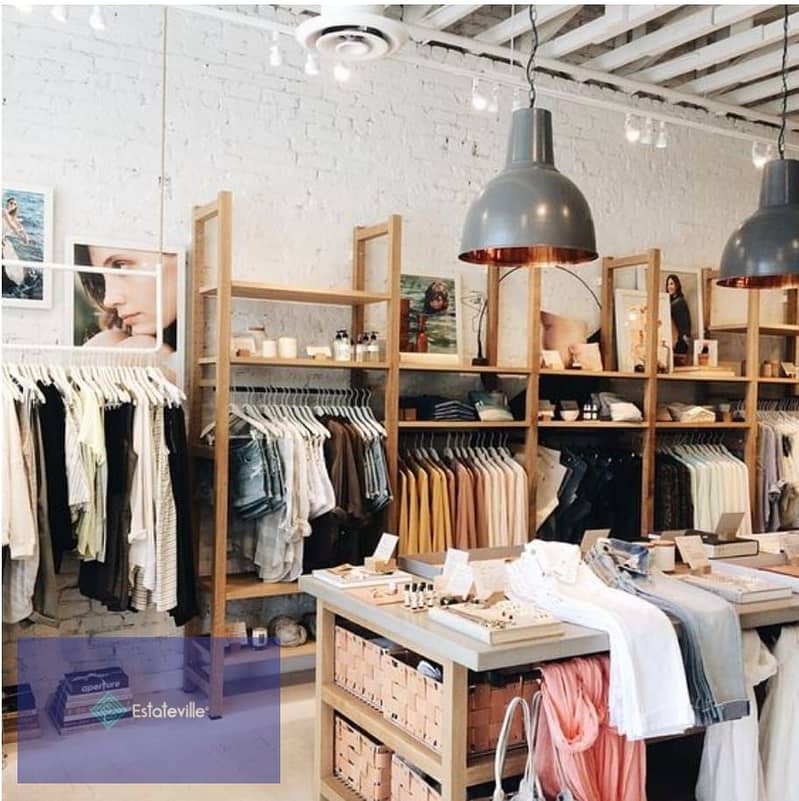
20 715
90 700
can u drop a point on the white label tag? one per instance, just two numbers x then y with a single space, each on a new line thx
461 581
453 560
489 578
692 552
386 547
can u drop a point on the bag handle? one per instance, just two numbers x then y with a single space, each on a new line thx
502 742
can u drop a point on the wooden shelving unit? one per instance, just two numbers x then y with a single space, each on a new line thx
462 425
224 289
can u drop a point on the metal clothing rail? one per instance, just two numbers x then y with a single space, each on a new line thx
156 274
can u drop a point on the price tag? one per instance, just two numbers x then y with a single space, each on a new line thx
490 578
692 552
461 581
790 544
453 560
386 547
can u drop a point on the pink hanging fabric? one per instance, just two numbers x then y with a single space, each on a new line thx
596 762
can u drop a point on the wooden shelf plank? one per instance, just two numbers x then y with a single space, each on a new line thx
590 424
251 290
765 330
460 424
592 374
241 586
325 364
779 380
385 732
677 425
690 377
464 368
249 655
481 769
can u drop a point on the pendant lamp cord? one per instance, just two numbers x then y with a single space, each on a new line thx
533 52
781 139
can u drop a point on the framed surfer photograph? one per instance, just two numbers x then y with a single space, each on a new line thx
27 237
430 319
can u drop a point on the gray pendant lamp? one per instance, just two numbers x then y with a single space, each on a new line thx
764 252
529 214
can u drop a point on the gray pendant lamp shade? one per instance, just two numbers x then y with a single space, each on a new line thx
530 213
764 252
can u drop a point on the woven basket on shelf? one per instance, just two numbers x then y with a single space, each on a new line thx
357 665
487 704
408 785
361 763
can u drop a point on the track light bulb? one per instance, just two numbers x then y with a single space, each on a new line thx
661 142
632 130
341 72
493 103
646 136
311 64
761 153
96 21
59 13
479 100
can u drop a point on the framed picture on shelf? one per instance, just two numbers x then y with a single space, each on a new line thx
551 360
631 334
683 285
121 312
430 319
706 353
27 236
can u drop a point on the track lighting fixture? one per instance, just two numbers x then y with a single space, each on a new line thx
632 129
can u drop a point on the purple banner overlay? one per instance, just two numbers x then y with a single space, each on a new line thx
123 710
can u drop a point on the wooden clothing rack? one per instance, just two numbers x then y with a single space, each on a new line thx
212 367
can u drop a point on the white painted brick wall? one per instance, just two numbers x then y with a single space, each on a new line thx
307 159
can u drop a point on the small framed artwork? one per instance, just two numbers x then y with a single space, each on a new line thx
706 353
27 236
631 333
588 356
789 370
552 360
430 319
106 310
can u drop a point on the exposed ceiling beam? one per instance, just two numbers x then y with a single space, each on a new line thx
413 13
615 21
446 15
519 24
548 29
698 23
734 46
775 106
760 90
743 72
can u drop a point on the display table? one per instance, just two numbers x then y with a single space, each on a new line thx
457 655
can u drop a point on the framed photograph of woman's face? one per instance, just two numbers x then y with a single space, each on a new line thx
430 319
120 311
27 236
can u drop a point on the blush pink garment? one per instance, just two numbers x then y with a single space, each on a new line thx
596 762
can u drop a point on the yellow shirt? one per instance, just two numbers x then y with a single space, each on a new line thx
403 514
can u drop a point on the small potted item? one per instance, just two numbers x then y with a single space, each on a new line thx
260 637
546 410
569 411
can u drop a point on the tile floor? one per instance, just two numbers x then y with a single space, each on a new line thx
297 710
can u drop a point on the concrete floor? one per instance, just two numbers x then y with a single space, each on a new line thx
297 712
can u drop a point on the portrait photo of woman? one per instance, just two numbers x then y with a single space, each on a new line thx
120 310
681 332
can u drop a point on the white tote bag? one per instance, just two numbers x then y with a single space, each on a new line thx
529 787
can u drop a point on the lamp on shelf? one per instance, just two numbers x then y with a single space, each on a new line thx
764 252
529 214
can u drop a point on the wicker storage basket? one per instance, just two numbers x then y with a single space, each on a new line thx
410 700
357 664
362 763
413 702
487 704
408 785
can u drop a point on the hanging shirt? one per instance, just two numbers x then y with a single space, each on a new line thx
19 529
91 435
